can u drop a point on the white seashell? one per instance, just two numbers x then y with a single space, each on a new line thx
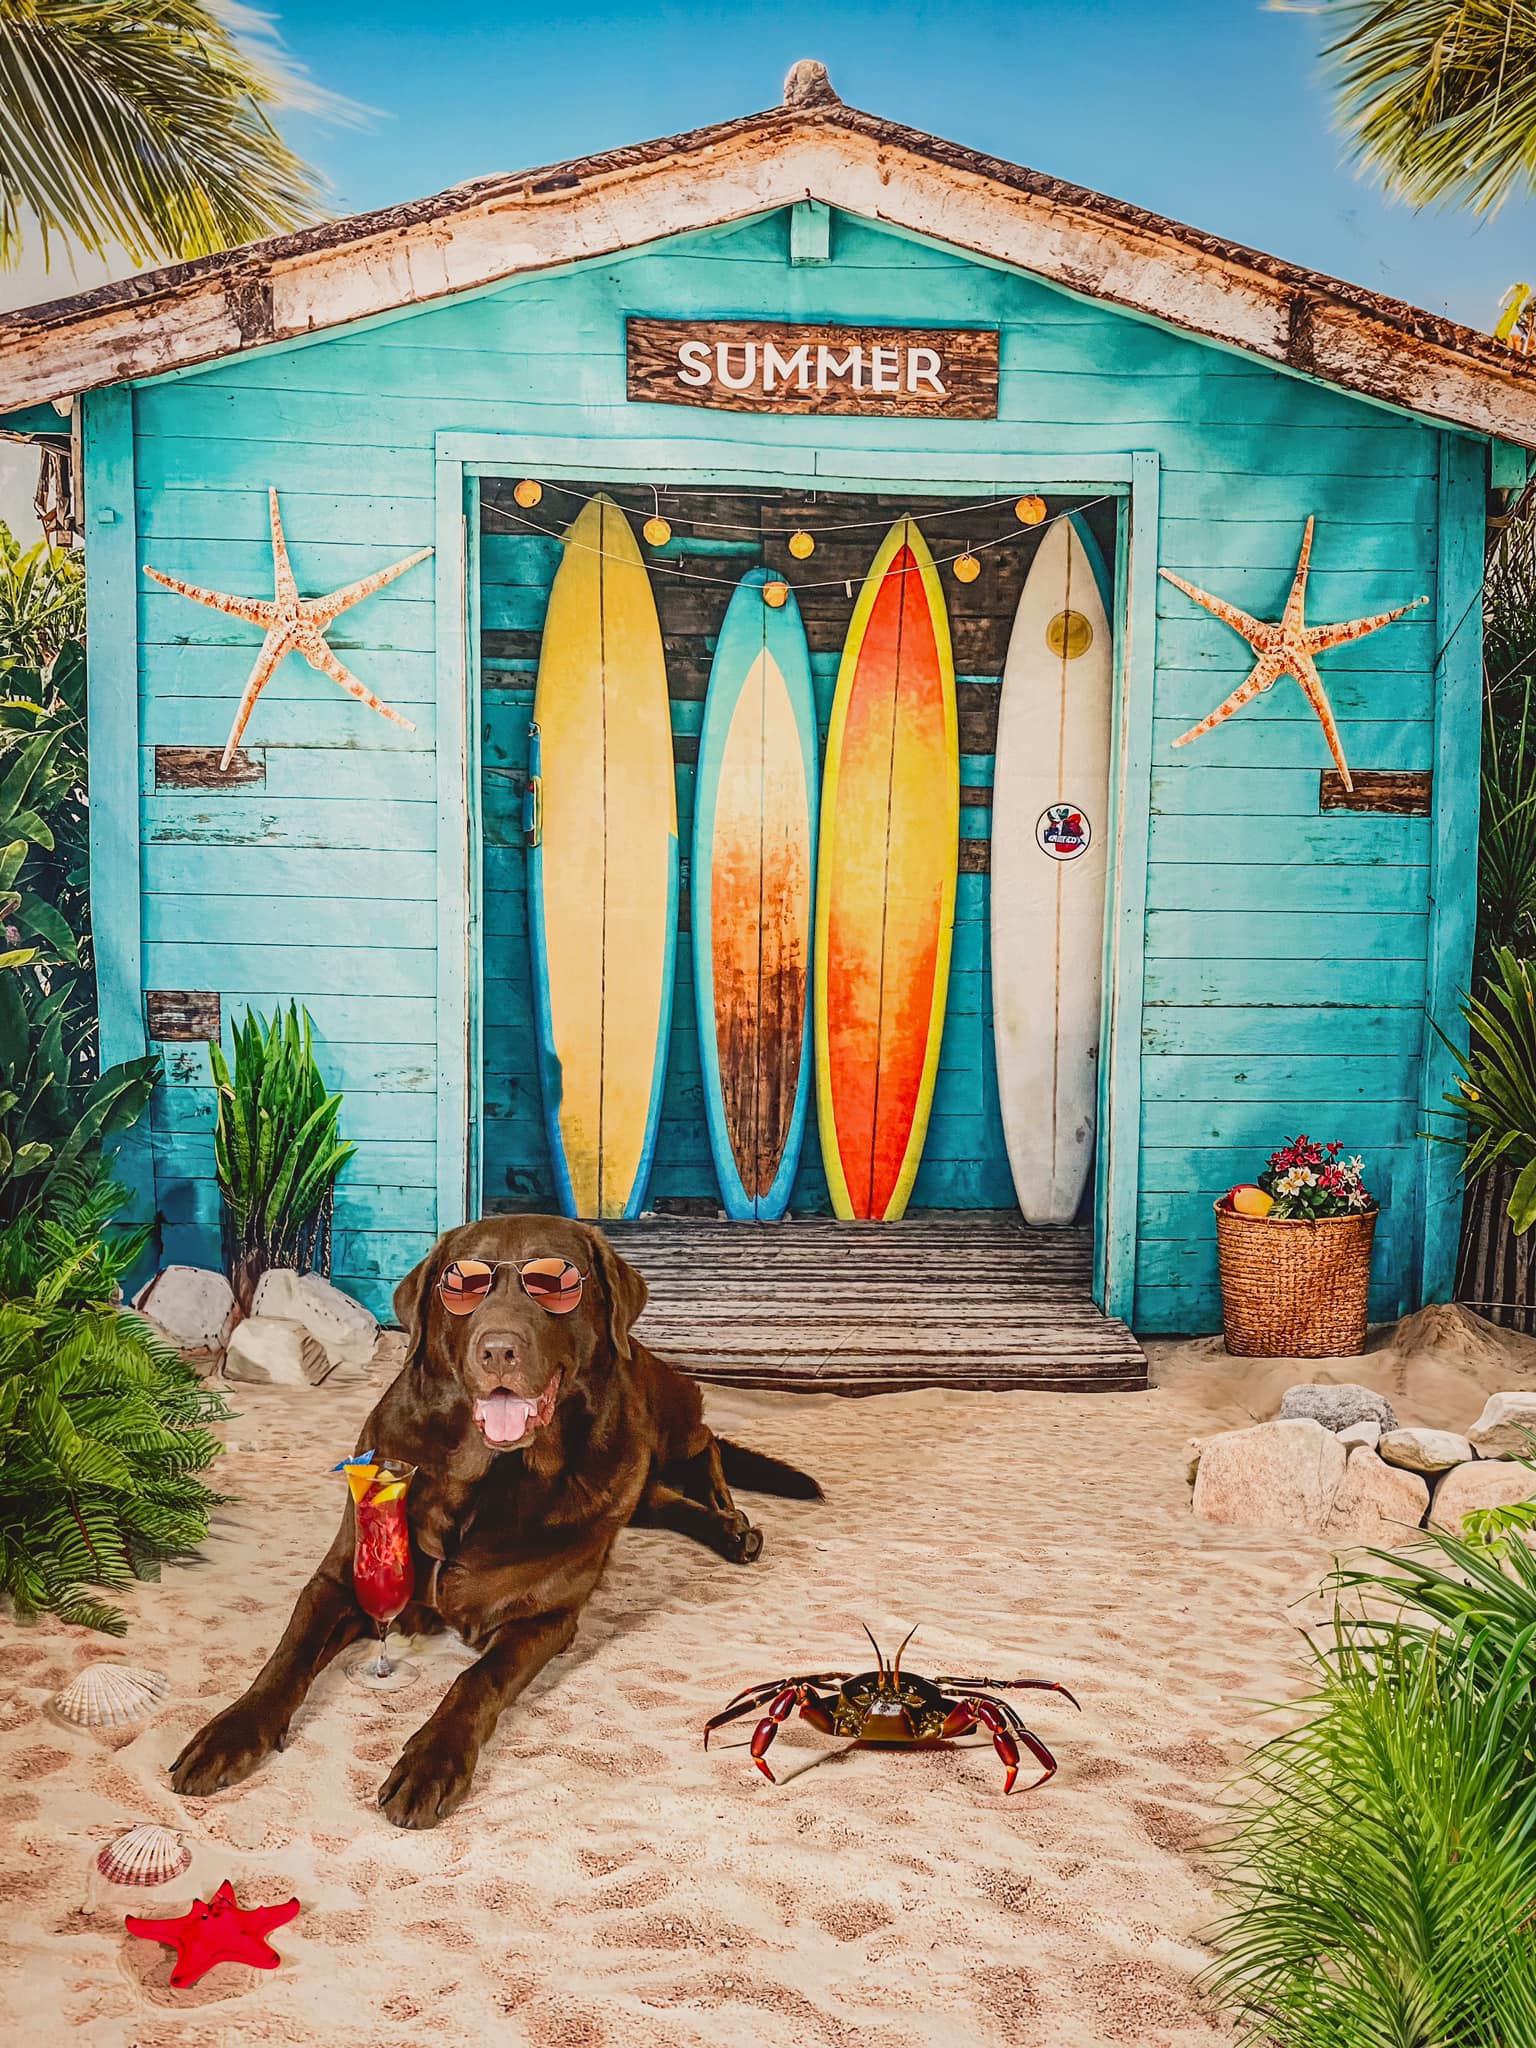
111 1696
145 1855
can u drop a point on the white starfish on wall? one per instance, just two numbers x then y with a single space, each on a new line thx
294 625
1285 647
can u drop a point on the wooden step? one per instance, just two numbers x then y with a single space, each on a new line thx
975 1300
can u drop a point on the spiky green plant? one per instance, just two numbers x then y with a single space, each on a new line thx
148 124
1437 97
1384 1859
103 1427
277 1147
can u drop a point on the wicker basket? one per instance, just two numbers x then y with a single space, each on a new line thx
1292 1287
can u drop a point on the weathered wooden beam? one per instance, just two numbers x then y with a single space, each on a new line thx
480 233
975 856
178 1015
1405 792
198 768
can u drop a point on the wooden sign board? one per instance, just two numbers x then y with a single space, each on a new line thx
756 366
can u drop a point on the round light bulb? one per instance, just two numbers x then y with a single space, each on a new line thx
802 544
528 493
776 594
657 531
1029 511
967 568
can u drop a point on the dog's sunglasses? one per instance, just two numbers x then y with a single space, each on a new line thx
555 1284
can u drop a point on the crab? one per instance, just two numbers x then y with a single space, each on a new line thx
889 1707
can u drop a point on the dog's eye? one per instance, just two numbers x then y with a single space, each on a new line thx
555 1284
464 1285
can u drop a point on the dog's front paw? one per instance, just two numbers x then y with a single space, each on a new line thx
223 1753
746 1543
430 1781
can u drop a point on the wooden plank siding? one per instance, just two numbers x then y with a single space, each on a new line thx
1285 947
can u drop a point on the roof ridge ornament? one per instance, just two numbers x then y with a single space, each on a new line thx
808 85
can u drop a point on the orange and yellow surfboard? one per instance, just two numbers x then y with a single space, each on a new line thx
885 898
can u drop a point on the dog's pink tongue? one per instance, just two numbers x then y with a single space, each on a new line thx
504 1417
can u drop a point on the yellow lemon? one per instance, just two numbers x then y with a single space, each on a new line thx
1251 1201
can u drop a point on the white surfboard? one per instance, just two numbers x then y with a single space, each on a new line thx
1050 843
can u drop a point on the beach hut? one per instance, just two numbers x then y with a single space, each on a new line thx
725 636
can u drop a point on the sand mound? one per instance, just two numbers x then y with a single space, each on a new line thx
1436 1367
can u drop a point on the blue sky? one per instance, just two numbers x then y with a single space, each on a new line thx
1212 111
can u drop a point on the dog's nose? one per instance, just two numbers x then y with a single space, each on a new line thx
497 1352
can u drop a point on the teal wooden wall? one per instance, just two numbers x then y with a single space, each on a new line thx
1285 950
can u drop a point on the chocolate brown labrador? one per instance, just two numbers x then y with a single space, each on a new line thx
537 1435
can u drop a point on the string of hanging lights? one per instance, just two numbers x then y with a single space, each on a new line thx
657 531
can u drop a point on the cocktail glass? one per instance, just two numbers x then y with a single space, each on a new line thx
383 1576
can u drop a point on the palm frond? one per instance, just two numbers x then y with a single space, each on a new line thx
149 123
1437 98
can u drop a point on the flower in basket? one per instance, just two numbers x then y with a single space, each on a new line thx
1310 1180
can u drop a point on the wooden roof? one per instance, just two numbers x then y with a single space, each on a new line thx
811 146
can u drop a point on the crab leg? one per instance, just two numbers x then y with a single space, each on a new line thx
758 1695
778 1713
1007 1731
969 1685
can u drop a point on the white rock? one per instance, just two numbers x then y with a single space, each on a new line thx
1425 1450
195 1308
1489 1483
1506 1428
276 1350
332 1318
1362 1435
1279 1475
1377 1503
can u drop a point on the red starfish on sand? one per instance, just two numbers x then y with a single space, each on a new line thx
1285 648
218 1930
294 624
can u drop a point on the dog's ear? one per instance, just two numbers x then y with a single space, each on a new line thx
625 1292
411 1299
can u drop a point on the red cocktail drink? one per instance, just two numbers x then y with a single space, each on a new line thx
383 1576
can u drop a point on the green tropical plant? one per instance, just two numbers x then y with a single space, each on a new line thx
53 1122
277 1148
1437 97
148 124
42 605
44 817
1494 1101
1506 865
1384 1856
103 1427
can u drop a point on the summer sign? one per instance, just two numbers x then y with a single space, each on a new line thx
745 366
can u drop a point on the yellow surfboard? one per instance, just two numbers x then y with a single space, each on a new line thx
603 868
885 894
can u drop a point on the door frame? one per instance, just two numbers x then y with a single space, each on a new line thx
463 458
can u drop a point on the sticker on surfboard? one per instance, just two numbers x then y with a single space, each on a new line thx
1062 831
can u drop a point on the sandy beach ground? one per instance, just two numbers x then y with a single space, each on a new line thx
609 1884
